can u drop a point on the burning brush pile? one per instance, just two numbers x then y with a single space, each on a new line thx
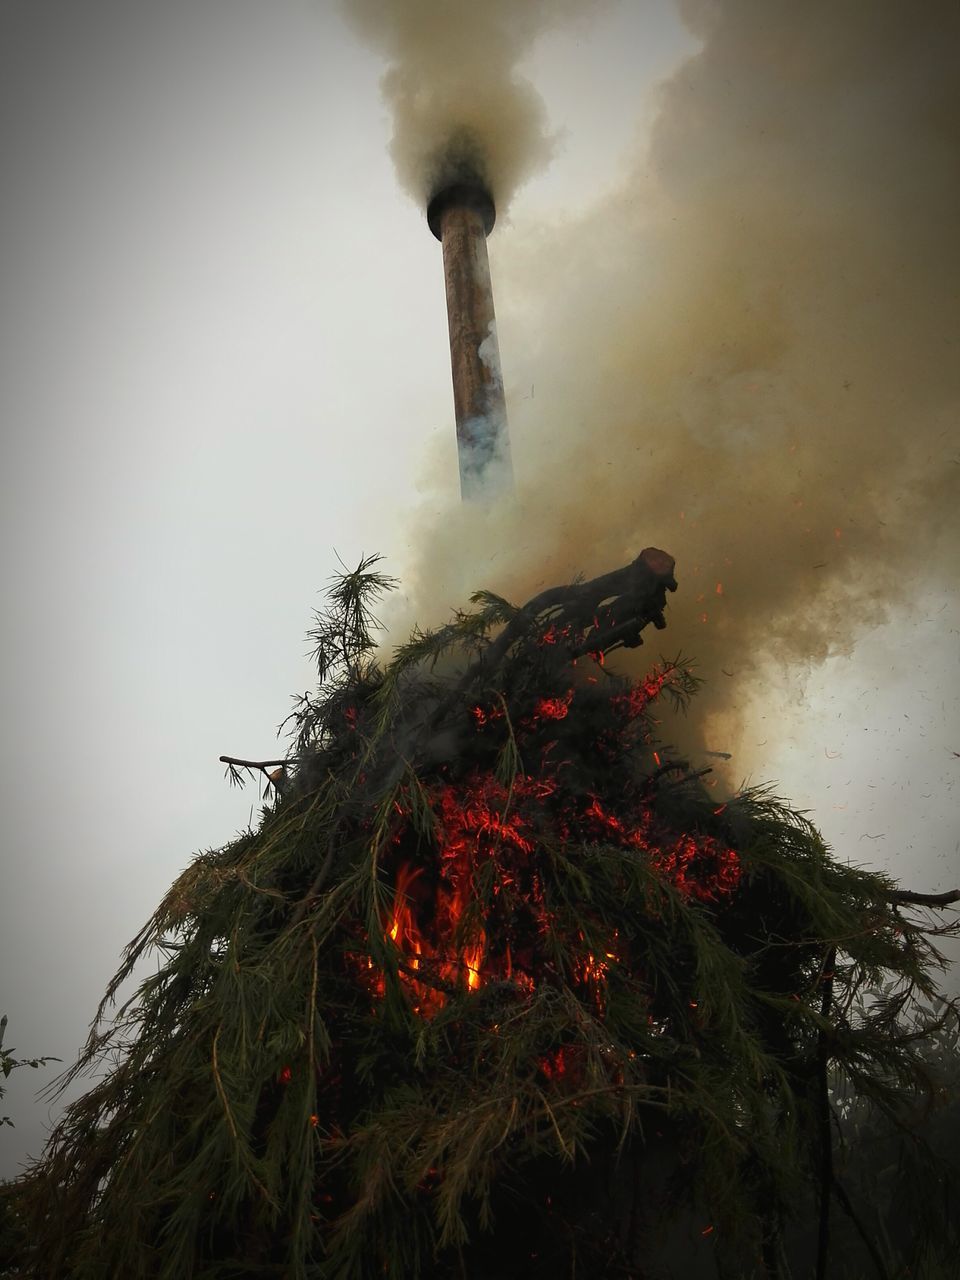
497 987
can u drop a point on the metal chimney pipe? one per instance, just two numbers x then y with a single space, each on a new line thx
461 217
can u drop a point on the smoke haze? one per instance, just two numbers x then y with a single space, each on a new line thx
747 354
225 348
459 107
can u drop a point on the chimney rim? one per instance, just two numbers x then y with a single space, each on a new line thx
468 195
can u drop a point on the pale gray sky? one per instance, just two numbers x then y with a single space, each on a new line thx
222 358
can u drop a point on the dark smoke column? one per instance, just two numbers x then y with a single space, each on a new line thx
461 217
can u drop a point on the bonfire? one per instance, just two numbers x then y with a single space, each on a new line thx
498 986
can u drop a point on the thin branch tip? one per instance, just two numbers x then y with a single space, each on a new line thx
924 899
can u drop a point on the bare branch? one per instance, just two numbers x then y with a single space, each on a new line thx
924 899
253 764
275 779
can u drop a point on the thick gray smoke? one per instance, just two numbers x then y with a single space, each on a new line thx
750 355
460 108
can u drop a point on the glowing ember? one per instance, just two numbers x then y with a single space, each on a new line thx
556 635
469 906
486 715
553 708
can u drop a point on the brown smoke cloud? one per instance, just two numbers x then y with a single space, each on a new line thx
748 355
459 106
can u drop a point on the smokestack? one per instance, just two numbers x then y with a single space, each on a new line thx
461 217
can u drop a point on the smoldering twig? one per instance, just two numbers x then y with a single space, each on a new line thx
681 767
428 979
672 766
688 777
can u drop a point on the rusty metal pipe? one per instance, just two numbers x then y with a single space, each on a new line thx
461 217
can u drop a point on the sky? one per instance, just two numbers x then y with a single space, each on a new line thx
725 271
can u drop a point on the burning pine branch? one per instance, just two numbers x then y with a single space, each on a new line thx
496 985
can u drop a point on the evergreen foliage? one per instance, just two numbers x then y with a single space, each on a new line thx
496 987
899 1168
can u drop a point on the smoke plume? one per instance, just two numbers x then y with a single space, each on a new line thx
748 355
460 109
